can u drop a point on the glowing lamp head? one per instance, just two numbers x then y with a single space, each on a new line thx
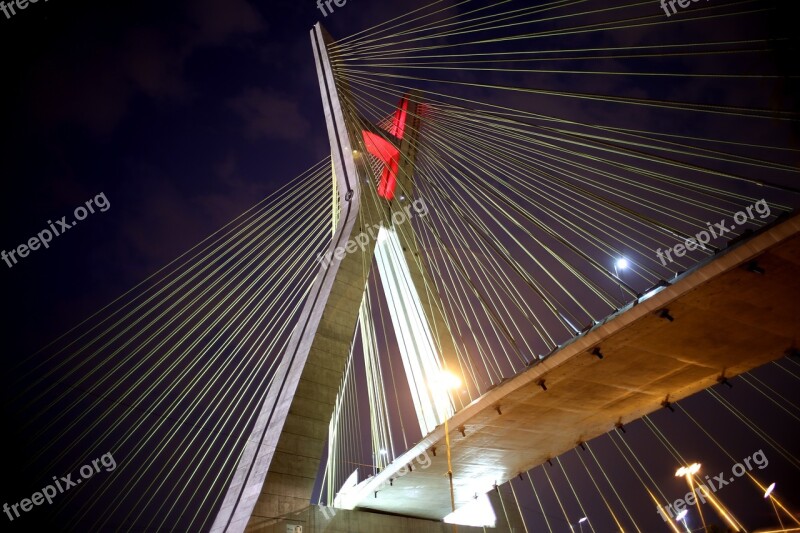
622 263
450 381
582 520
690 470
681 515
769 490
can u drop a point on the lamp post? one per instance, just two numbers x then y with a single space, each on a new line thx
380 454
620 264
450 382
690 471
681 517
768 494
579 523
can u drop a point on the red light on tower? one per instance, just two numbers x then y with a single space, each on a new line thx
388 152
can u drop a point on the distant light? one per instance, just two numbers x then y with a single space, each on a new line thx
450 381
582 520
688 470
769 490
622 263
355 152
682 515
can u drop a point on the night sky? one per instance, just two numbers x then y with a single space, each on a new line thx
179 116
183 114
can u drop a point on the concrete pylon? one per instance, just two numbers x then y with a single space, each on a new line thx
276 473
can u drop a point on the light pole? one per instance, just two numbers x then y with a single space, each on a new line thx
768 494
579 524
690 471
620 264
378 456
450 382
681 517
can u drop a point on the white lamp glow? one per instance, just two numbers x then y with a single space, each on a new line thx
450 381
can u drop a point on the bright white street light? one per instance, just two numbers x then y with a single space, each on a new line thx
582 520
450 381
688 470
681 515
769 490
620 264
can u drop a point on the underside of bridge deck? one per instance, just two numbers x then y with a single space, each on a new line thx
720 319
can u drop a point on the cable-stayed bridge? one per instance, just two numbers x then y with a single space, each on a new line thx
571 271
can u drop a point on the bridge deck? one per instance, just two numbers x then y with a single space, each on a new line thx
726 319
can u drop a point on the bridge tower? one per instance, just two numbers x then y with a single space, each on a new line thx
276 472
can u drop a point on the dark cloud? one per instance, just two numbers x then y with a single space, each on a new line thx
215 21
95 89
94 93
270 115
153 66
